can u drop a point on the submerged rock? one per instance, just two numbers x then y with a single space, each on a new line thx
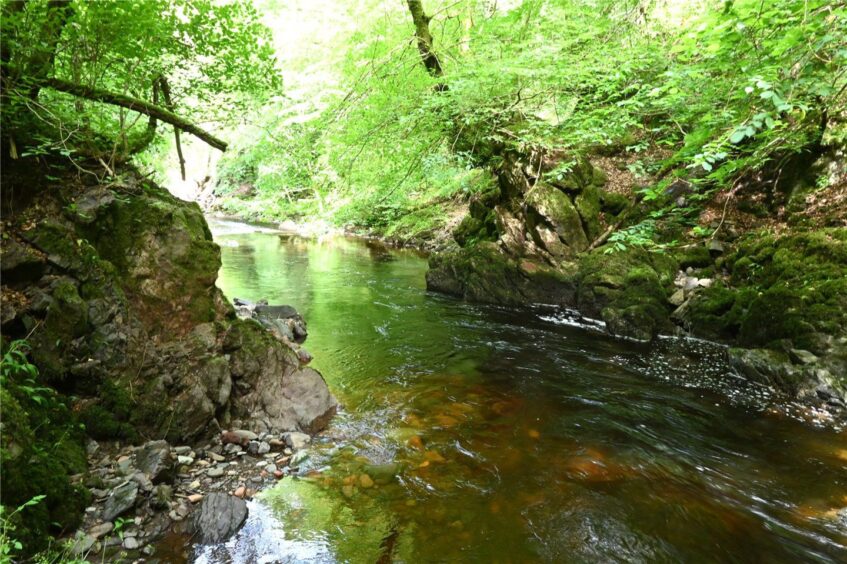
218 518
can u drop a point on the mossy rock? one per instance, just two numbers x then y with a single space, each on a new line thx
628 290
483 273
111 417
696 256
559 211
791 287
473 229
587 204
613 203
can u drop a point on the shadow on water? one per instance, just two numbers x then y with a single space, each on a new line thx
485 434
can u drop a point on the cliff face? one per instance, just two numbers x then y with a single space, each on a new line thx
113 285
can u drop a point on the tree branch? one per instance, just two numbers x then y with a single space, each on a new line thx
136 105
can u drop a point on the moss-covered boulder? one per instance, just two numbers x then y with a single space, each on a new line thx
484 273
628 290
558 211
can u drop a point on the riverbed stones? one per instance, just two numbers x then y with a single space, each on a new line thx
218 518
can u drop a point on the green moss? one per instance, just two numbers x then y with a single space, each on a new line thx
482 273
628 290
613 203
587 204
696 257
791 288
111 417
42 445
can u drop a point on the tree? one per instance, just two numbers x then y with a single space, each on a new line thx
77 75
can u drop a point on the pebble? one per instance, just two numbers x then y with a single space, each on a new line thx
270 468
215 472
185 460
131 543
240 491
365 481
216 457
182 450
194 498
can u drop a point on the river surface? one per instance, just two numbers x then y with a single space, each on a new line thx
482 434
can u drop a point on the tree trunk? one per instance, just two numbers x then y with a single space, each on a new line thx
136 105
424 38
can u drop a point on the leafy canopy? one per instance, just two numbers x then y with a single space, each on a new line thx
216 57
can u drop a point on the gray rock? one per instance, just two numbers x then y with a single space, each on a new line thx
83 544
154 459
131 543
297 440
800 356
677 298
124 465
91 447
218 518
143 481
182 450
215 472
232 449
244 434
120 501
216 457
100 530
184 460
716 247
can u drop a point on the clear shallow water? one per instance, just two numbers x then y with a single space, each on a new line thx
490 435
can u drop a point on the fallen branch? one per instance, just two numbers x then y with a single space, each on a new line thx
136 105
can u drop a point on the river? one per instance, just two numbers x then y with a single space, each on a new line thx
481 434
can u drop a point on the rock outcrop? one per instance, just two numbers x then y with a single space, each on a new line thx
114 287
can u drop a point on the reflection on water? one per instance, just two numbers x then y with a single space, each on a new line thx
483 434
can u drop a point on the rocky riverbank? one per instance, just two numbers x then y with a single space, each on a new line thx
111 284
770 279
142 493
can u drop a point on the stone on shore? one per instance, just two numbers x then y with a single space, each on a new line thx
218 518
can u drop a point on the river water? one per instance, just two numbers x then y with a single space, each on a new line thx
482 434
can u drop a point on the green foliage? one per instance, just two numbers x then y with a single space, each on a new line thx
727 91
42 445
216 56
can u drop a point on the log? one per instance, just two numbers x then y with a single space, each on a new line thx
136 105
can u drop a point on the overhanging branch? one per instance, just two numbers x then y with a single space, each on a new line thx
136 105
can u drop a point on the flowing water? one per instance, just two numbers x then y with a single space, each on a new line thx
482 434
